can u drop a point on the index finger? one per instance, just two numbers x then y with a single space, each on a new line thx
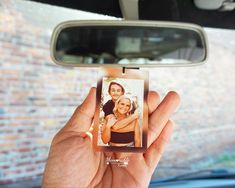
161 115
153 101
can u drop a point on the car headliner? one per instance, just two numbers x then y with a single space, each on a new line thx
167 10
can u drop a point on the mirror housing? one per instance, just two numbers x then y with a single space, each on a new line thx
121 43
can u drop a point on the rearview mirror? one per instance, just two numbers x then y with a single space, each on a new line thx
128 43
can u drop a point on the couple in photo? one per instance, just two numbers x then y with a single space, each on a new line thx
120 125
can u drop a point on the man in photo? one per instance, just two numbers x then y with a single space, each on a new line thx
115 91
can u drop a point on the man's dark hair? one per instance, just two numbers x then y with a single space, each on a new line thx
115 83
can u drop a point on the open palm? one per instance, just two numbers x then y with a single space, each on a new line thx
72 162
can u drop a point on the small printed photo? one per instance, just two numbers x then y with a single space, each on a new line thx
121 113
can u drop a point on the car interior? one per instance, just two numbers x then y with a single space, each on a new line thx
193 52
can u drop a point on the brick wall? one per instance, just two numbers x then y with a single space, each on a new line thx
37 98
204 136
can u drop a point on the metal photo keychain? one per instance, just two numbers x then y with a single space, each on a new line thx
121 118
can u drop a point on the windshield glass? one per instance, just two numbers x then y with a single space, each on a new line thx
205 124
38 97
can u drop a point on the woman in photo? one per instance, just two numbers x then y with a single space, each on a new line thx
117 133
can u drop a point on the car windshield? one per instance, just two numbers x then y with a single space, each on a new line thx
204 134
37 97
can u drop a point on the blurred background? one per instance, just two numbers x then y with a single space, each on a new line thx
37 97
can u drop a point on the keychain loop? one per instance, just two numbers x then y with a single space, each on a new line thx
124 69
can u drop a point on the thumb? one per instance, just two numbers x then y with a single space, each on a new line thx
82 118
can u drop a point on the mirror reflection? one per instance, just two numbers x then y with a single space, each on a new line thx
128 44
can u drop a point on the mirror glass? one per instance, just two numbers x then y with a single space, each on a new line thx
108 44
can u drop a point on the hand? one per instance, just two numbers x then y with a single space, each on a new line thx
111 121
72 162
137 112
